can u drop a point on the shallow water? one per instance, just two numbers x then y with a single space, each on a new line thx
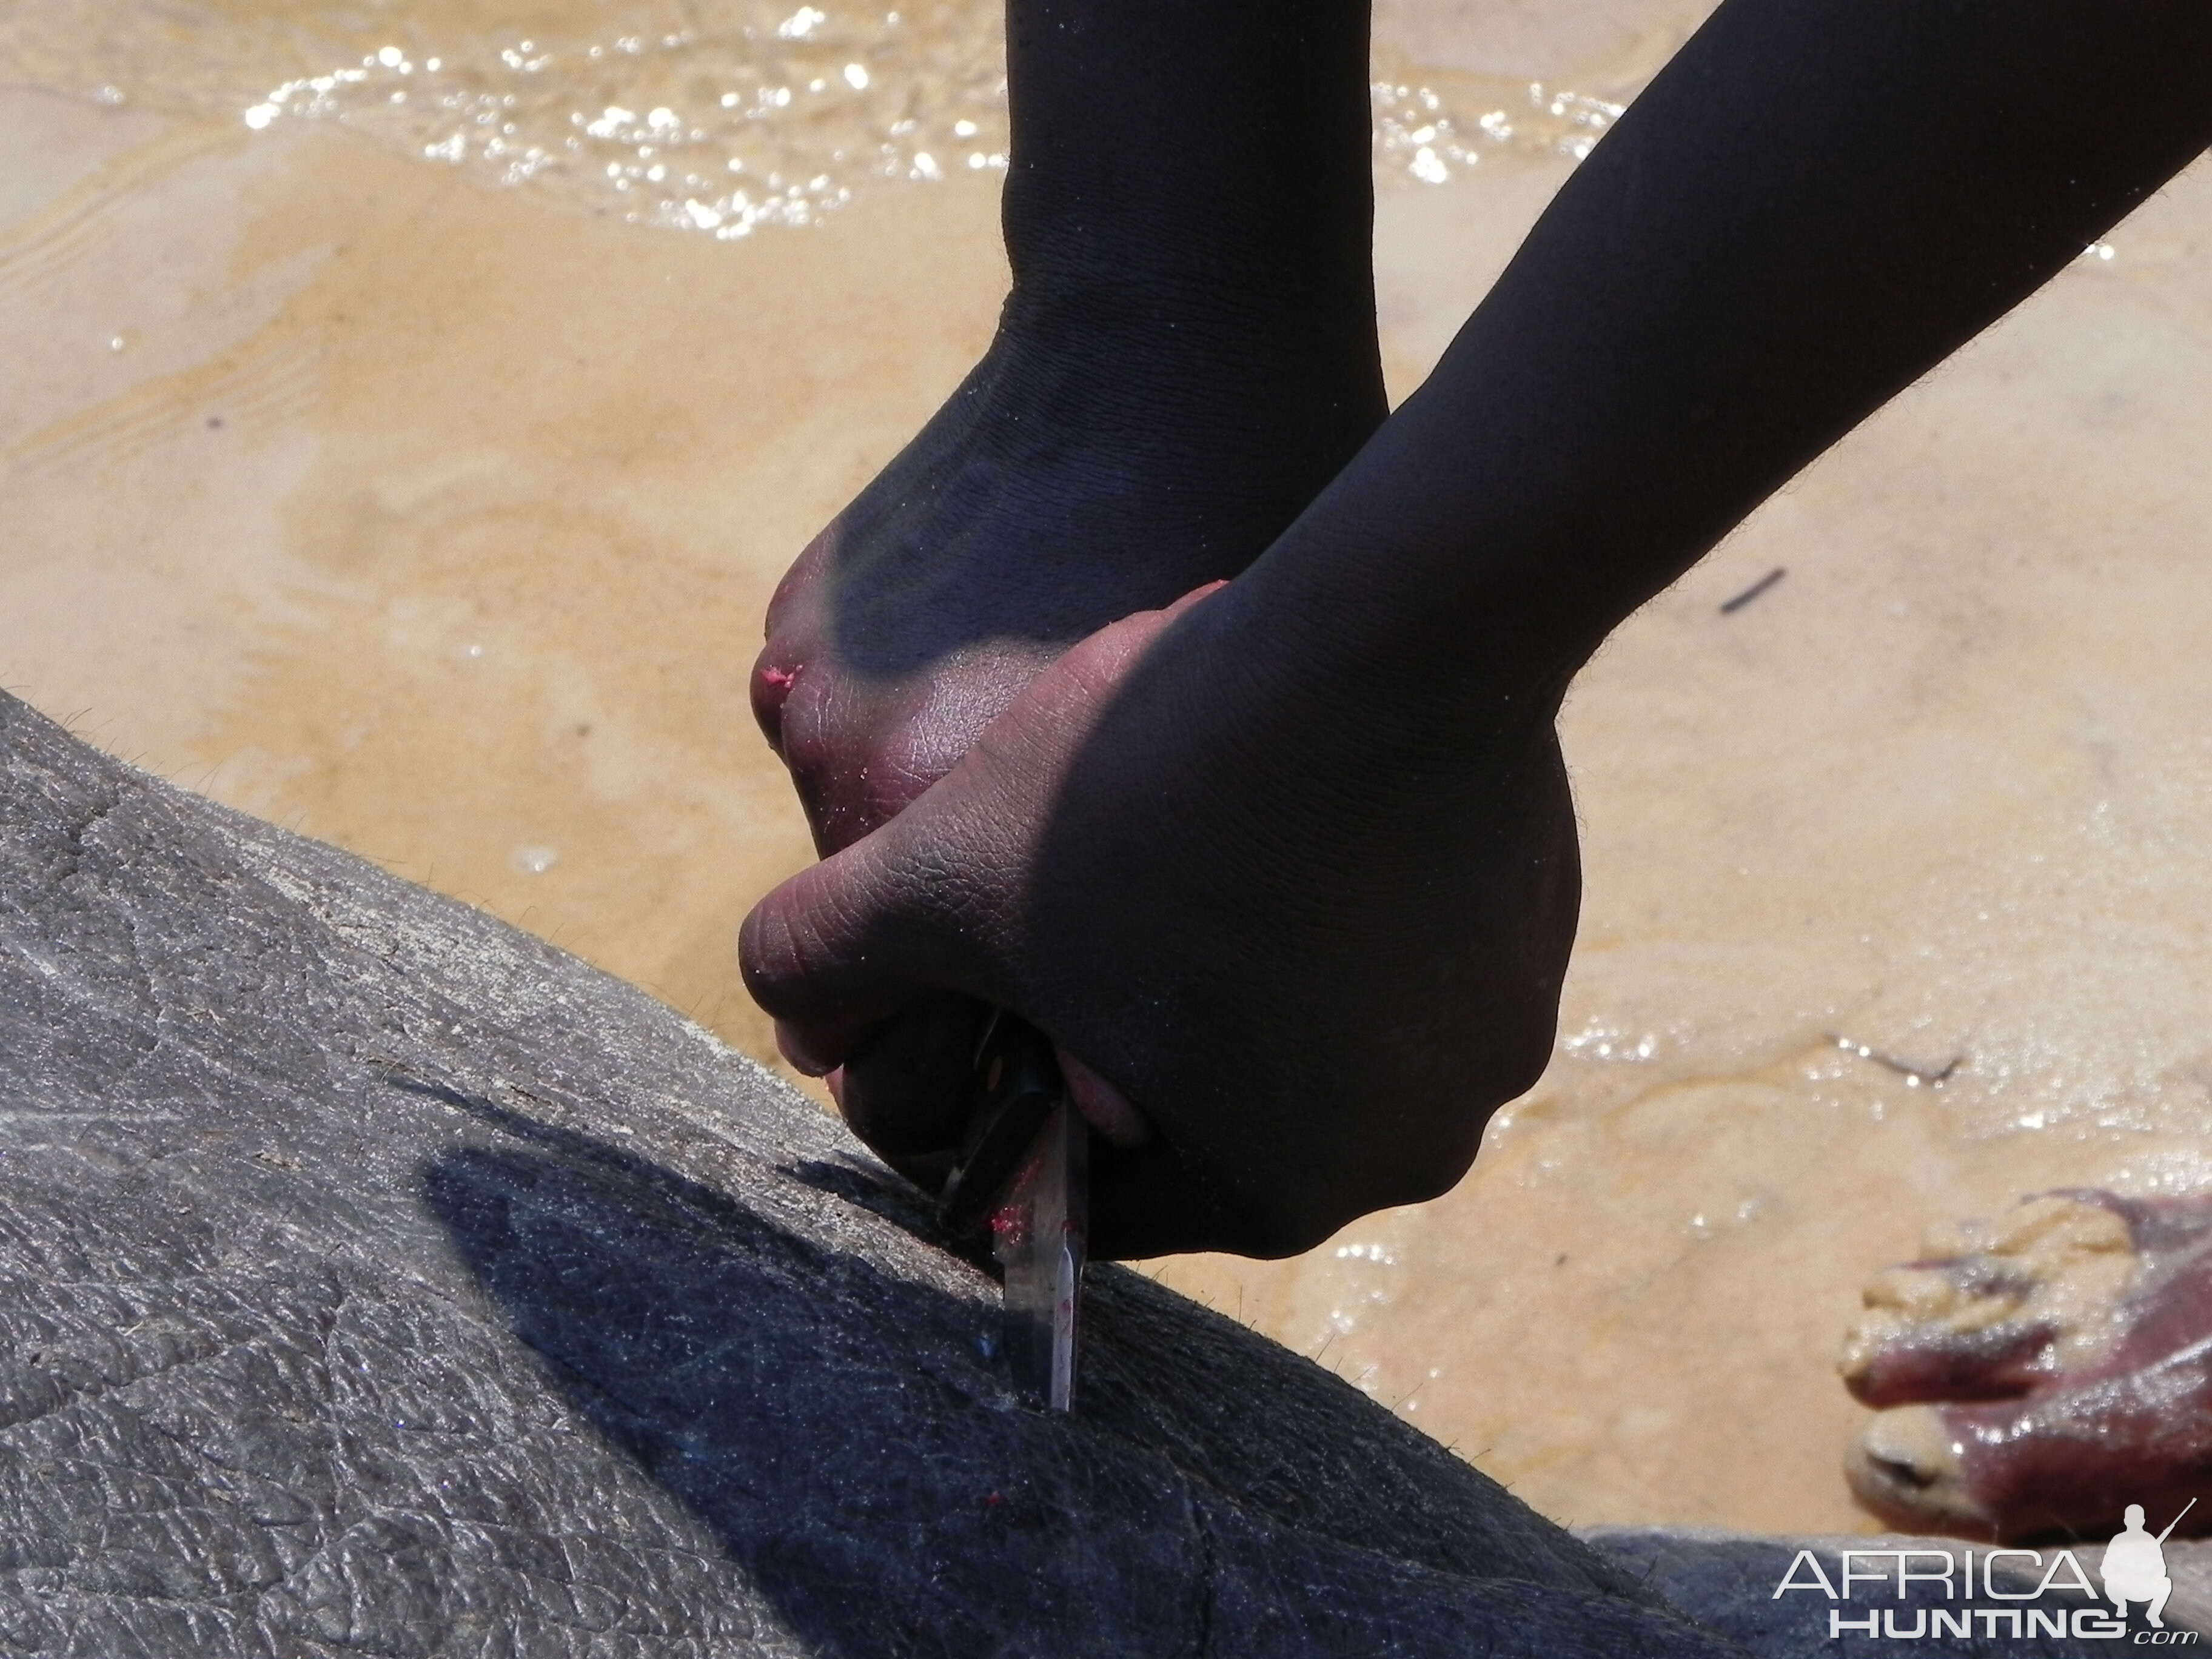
420 482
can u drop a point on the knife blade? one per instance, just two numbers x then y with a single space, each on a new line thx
1024 1174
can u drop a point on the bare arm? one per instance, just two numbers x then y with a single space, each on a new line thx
1815 203
1295 870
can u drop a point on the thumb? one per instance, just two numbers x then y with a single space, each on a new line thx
838 950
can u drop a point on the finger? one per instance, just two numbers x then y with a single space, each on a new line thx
792 1043
1105 1107
1167 1197
912 1088
1148 1201
1100 661
837 950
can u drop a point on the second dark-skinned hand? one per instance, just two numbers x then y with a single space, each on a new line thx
1315 944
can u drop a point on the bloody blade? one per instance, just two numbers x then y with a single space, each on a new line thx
1024 1174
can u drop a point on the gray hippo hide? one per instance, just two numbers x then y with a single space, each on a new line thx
375 1279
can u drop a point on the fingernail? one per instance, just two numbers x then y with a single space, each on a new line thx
1103 1107
792 1046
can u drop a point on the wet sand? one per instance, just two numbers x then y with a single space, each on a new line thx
431 510
437 520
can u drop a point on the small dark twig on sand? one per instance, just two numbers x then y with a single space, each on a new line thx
1729 607
1914 1076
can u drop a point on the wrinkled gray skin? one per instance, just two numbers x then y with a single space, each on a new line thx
375 1279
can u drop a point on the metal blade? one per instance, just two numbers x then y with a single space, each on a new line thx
1039 1235
1023 1171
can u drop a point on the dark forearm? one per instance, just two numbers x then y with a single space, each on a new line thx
1815 203
1174 159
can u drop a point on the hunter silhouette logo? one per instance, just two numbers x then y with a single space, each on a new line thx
2134 1565
1935 1590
